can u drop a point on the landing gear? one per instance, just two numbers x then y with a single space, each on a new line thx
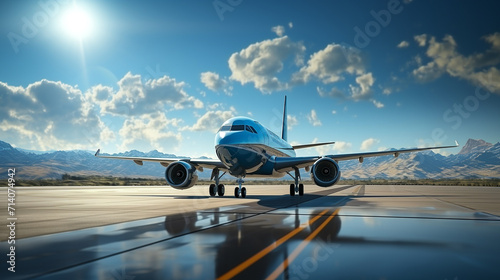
240 190
296 188
216 188
221 189
212 190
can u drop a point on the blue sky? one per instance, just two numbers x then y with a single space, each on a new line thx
164 75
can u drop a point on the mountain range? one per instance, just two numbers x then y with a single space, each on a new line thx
477 159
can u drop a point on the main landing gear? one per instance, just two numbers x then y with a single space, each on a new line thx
216 188
296 188
219 189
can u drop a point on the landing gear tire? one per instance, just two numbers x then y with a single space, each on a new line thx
221 190
243 192
236 192
212 190
301 189
292 189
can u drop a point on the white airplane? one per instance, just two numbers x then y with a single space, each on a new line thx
246 148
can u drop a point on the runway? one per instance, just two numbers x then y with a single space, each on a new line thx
345 232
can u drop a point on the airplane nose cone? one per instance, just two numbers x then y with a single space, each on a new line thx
232 150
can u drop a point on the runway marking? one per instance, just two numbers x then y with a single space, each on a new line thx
277 272
242 266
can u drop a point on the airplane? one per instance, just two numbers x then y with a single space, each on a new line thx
245 148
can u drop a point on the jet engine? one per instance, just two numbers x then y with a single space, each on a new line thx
325 172
181 175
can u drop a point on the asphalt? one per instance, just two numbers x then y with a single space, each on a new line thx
341 232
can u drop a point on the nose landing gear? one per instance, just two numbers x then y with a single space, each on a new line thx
240 190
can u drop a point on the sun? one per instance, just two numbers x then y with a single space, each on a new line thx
77 22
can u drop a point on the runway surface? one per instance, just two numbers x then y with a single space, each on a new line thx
345 232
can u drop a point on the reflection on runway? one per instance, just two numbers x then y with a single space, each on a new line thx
330 236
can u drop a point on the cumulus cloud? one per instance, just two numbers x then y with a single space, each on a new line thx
49 115
421 39
333 64
313 118
377 104
330 64
341 146
368 144
261 62
279 30
291 121
403 44
215 83
148 132
135 97
363 91
211 120
479 68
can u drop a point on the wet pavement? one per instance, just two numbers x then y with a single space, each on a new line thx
346 232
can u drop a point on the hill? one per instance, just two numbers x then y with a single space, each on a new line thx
477 159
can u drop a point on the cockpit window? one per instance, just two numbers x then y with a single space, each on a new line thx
251 129
237 127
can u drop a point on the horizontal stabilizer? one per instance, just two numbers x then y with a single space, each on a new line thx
311 145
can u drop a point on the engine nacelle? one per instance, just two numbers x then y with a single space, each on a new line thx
181 175
325 172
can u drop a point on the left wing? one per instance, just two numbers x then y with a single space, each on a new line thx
204 163
289 163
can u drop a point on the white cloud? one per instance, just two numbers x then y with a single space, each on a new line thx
215 83
134 97
341 146
279 30
291 121
479 68
290 24
261 62
403 44
49 115
330 64
377 104
421 39
334 112
211 120
313 118
365 83
148 132
368 144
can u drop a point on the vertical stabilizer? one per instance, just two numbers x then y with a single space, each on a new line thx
284 128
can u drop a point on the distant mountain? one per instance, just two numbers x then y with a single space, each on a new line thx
477 159
474 146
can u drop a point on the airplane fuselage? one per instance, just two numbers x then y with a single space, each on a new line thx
247 148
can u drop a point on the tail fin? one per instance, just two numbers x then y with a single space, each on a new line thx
284 128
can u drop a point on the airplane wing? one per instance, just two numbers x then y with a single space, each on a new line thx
287 164
205 163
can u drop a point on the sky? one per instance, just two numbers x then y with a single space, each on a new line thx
164 75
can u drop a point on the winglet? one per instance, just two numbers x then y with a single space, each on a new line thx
456 143
97 153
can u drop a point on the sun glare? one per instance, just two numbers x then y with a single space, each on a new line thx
77 23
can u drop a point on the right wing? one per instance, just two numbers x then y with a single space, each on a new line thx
289 163
205 163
